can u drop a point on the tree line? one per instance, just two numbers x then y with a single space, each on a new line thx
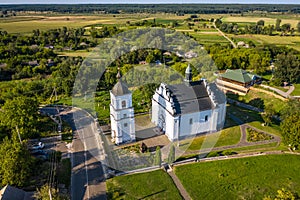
258 28
153 8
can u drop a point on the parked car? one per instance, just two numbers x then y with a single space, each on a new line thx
39 145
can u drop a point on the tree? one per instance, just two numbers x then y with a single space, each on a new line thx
171 156
268 114
286 27
16 162
290 128
261 23
277 26
21 112
158 156
43 193
287 67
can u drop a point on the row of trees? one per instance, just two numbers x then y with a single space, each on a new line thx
258 28
154 8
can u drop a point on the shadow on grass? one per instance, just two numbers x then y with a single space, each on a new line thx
241 116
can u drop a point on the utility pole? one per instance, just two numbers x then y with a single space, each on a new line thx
18 134
50 195
55 93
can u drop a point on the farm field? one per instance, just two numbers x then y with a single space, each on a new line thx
290 41
151 185
245 178
28 23
268 20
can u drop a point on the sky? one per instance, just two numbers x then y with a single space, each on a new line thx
148 1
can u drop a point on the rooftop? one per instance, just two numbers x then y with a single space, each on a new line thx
189 98
120 88
238 75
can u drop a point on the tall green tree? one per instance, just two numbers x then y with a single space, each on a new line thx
277 26
20 114
16 162
268 114
171 156
158 156
261 23
290 128
287 67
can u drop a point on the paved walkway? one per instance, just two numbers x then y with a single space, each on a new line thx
179 186
280 92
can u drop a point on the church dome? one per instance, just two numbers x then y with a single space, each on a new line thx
120 89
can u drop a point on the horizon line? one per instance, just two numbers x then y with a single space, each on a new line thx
150 3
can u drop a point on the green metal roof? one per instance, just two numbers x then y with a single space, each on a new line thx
238 75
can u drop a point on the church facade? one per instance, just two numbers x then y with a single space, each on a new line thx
187 109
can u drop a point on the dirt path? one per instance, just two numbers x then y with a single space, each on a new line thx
227 38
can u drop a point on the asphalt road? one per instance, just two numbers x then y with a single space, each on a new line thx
87 181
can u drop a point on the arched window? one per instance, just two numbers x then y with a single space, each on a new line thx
123 104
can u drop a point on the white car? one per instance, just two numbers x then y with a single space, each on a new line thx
40 145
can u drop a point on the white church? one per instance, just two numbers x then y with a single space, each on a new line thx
179 111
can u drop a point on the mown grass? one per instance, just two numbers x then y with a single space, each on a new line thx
253 118
245 178
151 185
204 38
230 135
260 99
260 148
296 91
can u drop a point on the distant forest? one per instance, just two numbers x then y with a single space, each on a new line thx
179 9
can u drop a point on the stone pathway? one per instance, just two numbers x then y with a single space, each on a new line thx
280 92
179 186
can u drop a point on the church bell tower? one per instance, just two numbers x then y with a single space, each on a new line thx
121 113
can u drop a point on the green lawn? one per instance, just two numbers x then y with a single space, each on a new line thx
246 178
151 185
253 118
259 99
296 92
230 135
